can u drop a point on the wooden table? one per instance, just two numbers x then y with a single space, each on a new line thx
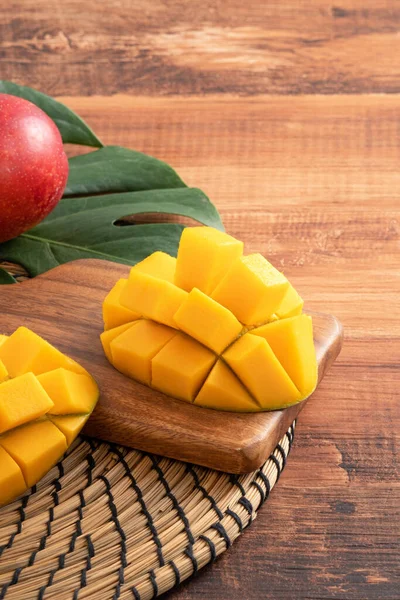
288 115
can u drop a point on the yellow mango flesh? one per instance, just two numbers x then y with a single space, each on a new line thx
36 447
70 392
218 329
180 368
3 338
108 336
114 314
207 321
12 482
26 352
133 350
222 390
3 372
204 256
252 289
69 425
151 292
257 367
22 400
291 340
291 305
32 438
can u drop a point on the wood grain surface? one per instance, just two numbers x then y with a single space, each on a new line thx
287 114
132 414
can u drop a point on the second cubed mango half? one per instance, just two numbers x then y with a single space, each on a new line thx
45 399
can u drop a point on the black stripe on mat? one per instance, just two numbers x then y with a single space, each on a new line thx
122 535
265 481
171 496
283 455
243 501
143 506
211 499
211 545
277 465
135 593
236 517
223 533
43 539
83 580
234 480
179 510
176 572
153 582
78 527
22 517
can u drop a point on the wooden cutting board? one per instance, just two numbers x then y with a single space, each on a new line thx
64 306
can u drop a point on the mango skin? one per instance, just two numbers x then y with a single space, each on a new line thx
45 400
215 328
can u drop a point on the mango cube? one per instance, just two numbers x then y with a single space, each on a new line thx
291 305
108 336
36 447
22 400
180 368
291 340
114 314
257 367
207 321
151 291
204 256
70 392
3 338
3 372
252 289
133 350
69 425
12 483
222 390
24 351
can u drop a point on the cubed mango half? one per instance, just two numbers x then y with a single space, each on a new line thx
220 329
43 406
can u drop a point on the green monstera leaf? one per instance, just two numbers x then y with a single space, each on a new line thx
86 228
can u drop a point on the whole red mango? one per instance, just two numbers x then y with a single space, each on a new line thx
33 166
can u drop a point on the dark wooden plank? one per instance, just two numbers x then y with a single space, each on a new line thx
178 47
132 414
